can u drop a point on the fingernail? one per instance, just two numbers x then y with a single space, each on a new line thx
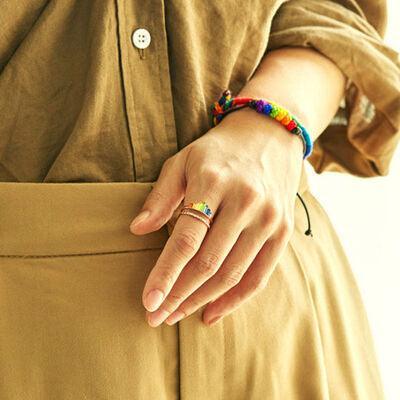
174 317
140 218
154 299
214 320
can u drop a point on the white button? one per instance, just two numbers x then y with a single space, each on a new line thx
141 38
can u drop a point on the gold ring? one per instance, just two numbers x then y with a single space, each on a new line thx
192 213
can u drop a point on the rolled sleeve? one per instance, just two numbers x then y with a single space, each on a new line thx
362 137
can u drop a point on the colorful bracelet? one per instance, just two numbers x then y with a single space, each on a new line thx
227 104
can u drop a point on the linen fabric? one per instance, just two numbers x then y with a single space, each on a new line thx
72 325
87 124
79 103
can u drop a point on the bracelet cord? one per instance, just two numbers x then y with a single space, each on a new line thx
308 231
226 104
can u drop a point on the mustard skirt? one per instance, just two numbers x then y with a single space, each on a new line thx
72 324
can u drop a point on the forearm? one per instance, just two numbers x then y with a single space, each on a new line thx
302 80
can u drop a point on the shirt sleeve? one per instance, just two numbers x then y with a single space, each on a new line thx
362 137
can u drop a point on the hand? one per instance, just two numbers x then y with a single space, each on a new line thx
247 169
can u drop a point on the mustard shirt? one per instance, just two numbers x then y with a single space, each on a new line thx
80 101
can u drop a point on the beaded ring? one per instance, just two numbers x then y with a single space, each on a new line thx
227 104
201 206
203 210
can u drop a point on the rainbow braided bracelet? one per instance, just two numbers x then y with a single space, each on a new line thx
227 104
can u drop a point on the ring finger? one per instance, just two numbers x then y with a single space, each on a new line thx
254 280
229 274
216 245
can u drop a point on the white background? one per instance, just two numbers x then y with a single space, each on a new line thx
366 214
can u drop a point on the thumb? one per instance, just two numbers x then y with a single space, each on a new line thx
165 196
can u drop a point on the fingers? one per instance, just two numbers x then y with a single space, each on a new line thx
219 240
254 280
231 272
163 199
181 246
226 262
228 276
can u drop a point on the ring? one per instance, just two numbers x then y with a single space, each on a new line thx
199 210
187 211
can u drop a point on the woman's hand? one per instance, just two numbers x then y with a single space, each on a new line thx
247 169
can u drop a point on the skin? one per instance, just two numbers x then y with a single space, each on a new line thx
247 169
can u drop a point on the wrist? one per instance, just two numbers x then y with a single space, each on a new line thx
298 106
264 130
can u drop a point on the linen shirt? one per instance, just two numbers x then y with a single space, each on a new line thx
81 102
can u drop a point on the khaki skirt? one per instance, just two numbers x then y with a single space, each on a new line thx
72 324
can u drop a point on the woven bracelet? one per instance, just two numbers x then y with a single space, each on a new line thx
227 104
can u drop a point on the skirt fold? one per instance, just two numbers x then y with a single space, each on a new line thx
72 323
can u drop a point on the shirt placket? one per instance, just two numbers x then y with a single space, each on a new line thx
147 86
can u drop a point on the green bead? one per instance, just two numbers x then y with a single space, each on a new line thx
274 112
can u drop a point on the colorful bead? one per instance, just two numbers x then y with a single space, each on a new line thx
267 108
260 106
227 103
286 120
218 108
291 125
274 112
200 206
282 113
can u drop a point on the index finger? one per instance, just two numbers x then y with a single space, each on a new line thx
181 246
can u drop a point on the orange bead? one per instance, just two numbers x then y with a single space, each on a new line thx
286 120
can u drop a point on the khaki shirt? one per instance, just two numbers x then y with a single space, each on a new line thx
81 102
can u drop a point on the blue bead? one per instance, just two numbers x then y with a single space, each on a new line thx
267 108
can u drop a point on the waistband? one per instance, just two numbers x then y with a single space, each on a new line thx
56 219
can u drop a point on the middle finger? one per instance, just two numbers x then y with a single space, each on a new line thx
229 274
217 244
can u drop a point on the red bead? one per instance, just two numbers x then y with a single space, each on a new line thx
292 124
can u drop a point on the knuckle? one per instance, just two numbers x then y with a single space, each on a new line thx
156 196
251 195
208 264
287 227
186 242
269 214
266 217
231 277
193 303
171 161
212 175
172 301
274 209
166 276
257 283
